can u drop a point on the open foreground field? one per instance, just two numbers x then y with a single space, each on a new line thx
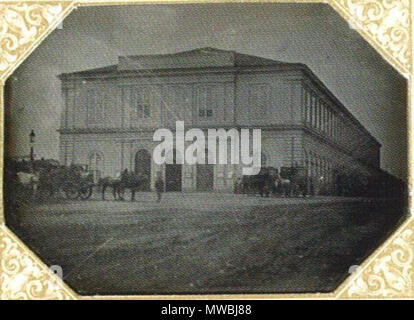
205 243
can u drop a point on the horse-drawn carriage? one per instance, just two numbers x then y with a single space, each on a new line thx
79 184
133 181
46 178
291 181
72 180
262 183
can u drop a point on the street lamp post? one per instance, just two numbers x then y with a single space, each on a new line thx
32 141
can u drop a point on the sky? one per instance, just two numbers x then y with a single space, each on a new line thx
313 34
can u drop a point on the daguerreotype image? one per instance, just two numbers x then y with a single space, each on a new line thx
205 149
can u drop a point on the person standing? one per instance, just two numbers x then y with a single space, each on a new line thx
159 187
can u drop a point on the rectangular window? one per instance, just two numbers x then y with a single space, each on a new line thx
320 114
311 109
205 103
315 111
308 107
339 129
328 119
142 108
143 111
336 128
317 114
95 107
329 123
91 106
325 118
65 118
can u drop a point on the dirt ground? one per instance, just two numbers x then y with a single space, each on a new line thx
205 243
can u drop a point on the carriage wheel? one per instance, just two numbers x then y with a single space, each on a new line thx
85 192
71 192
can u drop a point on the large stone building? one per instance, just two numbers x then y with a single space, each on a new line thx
110 115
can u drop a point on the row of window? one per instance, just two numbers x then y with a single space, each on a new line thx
96 107
318 113
142 105
206 101
320 116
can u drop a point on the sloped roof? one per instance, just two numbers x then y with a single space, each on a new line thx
238 59
197 58
87 72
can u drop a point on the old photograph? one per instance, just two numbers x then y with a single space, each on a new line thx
205 149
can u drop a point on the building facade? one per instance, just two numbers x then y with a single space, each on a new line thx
110 114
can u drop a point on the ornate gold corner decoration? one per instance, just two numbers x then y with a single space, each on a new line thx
389 274
24 277
1 154
24 25
385 24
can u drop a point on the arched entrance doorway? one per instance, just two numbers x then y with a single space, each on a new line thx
173 173
143 167
205 176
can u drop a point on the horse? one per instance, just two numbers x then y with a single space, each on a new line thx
127 180
113 183
132 181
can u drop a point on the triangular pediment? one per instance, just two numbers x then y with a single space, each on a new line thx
199 58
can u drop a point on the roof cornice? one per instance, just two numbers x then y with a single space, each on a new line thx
84 75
